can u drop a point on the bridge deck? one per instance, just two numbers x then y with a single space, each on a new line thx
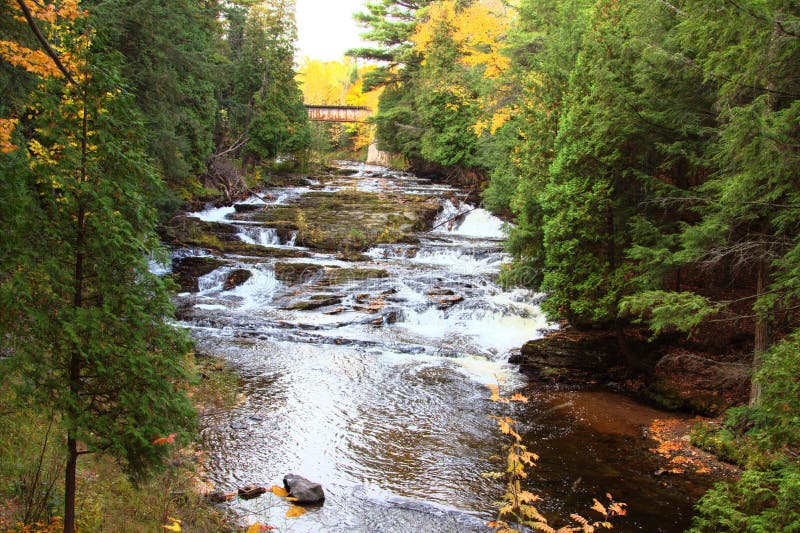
340 113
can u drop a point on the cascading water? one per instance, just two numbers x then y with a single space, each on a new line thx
260 236
377 387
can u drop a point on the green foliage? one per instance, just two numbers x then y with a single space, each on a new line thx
668 311
761 501
260 101
171 64
765 438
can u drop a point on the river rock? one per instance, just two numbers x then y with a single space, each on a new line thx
568 350
685 380
236 278
446 302
295 273
248 208
306 492
248 492
187 269
314 302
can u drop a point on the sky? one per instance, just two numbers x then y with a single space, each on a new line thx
326 28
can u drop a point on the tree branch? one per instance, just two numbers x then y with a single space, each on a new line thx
45 44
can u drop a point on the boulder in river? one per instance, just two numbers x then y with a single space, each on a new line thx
306 492
187 269
236 278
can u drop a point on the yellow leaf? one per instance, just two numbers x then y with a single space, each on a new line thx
295 511
255 528
279 491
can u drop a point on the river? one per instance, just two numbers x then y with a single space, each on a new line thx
380 394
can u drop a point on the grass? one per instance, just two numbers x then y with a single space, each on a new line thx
31 473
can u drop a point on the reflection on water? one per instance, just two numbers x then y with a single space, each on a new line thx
390 411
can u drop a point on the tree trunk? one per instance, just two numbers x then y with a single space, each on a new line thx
762 333
70 485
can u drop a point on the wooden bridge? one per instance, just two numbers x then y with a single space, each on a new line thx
338 113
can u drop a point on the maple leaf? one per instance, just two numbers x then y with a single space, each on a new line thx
519 398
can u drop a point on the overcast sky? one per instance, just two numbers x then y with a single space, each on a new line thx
326 28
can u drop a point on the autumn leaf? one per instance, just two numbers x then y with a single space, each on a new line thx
597 506
166 440
7 126
519 398
175 525
258 527
295 511
278 491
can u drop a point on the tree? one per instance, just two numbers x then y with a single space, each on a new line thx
263 105
85 322
171 64
746 211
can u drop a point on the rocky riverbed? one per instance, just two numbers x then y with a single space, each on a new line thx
361 309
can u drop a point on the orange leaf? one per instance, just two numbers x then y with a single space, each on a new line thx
519 398
166 440
295 511
278 491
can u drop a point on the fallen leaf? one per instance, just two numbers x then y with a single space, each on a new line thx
295 511
519 398
166 440
279 491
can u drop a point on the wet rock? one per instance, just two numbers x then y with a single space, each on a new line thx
248 492
248 208
315 302
217 496
236 278
335 311
341 276
353 257
306 492
223 239
295 273
570 351
187 269
440 292
352 221
689 381
447 302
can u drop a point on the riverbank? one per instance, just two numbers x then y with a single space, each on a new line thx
32 469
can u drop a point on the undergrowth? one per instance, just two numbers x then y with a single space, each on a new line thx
31 474
765 440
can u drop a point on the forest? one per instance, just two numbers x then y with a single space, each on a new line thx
645 153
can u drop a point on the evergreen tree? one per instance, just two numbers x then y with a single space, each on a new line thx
170 64
263 104
85 323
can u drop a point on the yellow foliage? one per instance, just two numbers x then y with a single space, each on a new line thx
479 30
174 525
7 126
57 17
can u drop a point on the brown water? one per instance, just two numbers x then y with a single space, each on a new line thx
393 419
